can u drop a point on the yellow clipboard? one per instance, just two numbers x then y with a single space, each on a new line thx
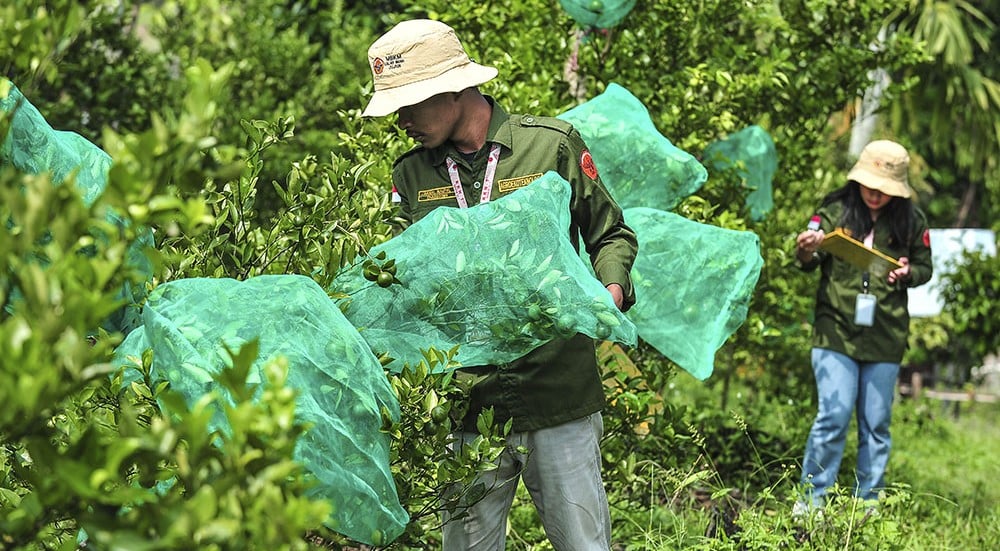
854 252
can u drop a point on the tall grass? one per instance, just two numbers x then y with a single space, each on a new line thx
743 468
944 493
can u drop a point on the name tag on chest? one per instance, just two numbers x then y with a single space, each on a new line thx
435 194
864 310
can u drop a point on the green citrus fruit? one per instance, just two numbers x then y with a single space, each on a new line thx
566 325
534 312
439 414
384 279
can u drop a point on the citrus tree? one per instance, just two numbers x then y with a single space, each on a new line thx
236 133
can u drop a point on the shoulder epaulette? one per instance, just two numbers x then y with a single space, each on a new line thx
552 123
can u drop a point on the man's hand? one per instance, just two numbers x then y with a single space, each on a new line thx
617 293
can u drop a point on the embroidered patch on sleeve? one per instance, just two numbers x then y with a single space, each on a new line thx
587 165
927 238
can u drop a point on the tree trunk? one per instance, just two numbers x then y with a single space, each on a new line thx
968 201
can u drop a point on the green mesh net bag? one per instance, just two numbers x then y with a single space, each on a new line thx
499 279
639 166
693 281
597 14
342 387
693 285
752 154
32 146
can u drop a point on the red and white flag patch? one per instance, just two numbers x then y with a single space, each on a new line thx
587 165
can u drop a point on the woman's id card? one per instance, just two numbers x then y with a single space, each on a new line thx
864 310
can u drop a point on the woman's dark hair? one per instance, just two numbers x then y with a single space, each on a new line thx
857 220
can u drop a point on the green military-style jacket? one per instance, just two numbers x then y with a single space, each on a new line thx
840 283
559 381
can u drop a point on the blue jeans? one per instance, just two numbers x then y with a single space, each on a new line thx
845 385
562 471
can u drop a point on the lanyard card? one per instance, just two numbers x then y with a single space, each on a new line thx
864 310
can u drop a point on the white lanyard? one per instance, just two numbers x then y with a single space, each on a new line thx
491 169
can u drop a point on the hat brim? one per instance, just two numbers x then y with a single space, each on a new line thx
887 186
388 101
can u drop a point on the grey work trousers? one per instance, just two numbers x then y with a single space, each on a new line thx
562 472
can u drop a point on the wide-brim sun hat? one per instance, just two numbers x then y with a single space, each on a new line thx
418 59
883 165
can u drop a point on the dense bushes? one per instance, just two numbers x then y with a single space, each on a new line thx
235 132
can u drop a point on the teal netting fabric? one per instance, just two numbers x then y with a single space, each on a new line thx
342 387
597 14
32 146
693 285
639 166
693 281
499 279
752 154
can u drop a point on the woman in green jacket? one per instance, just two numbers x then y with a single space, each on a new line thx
861 319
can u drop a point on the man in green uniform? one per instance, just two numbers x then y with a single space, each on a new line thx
471 151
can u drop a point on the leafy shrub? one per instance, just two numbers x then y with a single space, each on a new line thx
970 293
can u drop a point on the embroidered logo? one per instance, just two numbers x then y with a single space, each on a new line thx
436 194
378 66
587 165
510 184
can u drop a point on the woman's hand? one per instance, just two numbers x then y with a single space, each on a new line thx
806 244
900 274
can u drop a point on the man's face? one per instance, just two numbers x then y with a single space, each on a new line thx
432 121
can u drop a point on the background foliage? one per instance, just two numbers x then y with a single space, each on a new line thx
235 130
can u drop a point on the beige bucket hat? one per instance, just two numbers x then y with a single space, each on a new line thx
418 59
883 165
